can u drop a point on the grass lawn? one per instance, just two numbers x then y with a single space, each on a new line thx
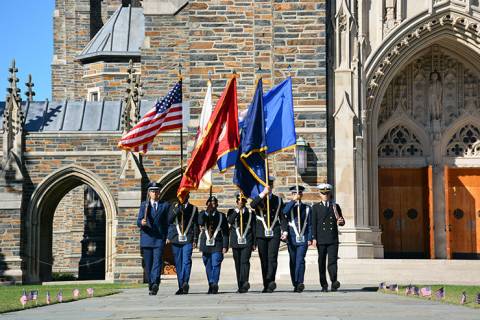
10 295
452 294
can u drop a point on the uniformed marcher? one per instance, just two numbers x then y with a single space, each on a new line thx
299 218
153 223
213 241
268 236
183 235
242 240
327 216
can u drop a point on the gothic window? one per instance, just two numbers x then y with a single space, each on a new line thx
465 142
400 142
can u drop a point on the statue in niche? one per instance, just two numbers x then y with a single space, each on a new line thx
435 93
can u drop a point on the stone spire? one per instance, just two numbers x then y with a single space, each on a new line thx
30 93
133 92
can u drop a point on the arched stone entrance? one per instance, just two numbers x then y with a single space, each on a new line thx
423 83
40 213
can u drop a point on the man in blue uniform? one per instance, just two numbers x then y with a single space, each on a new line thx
183 235
153 223
213 241
326 218
269 236
299 218
242 240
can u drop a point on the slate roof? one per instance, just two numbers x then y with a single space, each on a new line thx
55 116
120 37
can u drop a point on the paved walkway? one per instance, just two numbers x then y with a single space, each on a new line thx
348 303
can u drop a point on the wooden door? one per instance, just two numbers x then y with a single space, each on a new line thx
403 204
463 213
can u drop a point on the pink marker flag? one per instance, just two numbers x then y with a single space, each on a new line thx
90 292
23 299
76 293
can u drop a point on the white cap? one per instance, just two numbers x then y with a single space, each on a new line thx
325 187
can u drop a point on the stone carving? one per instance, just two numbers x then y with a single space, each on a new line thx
465 142
399 142
435 92
390 20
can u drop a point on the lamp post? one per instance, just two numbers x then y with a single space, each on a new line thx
301 155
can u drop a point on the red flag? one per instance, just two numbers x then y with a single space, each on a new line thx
219 137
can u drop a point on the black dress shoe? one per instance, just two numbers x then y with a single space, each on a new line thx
150 293
246 287
185 288
295 289
214 288
154 289
271 287
264 290
324 289
209 289
300 287
335 285
179 292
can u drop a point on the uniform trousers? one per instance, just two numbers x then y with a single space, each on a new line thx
213 264
297 263
182 254
268 252
153 257
330 250
241 256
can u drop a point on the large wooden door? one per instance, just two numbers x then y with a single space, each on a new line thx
463 213
403 204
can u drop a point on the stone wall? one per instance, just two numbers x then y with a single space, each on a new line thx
68 232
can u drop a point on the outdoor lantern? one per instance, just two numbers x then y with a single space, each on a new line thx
301 155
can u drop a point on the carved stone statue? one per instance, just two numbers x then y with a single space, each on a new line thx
435 93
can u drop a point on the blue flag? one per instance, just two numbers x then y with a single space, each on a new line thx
279 117
249 173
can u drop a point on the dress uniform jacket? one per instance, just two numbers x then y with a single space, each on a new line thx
233 217
210 222
324 223
276 206
190 221
155 232
291 215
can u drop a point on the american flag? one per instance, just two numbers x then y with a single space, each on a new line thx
34 295
426 292
23 299
463 299
408 290
393 287
60 296
416 291
478 298
90 292
48 299
382 286
440 293
76 293
164 116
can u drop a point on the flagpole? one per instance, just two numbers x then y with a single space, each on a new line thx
180 78
266 155
211 174
296 169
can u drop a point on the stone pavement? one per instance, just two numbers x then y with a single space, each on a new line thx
349 303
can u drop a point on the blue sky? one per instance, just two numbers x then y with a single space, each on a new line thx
26 35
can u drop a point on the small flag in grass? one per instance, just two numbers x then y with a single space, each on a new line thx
393 287
60 296
416 291
34 295
478 298
440 293
382 286
426 292
463 298
76 293
23 298
408 290
90 292
48 299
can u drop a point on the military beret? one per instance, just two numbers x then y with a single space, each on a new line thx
294 188
153 186
325 187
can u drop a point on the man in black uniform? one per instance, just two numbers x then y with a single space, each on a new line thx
299 217
213 241
270 229
327 215
242 240
183 235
